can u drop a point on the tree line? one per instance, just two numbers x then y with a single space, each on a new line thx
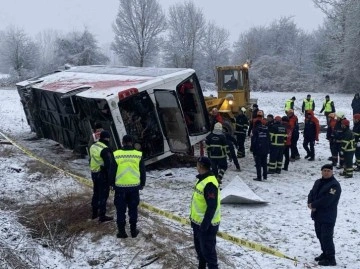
283 56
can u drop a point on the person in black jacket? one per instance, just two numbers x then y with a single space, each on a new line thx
242 125
356 131
260 146
322 201
232 143
355 104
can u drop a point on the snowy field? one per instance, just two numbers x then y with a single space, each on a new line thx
283 223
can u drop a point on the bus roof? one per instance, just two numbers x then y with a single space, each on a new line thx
102 81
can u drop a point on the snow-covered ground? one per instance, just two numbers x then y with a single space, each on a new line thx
284 223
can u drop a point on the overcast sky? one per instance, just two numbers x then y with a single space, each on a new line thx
235 15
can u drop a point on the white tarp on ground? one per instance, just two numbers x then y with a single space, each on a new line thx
237 192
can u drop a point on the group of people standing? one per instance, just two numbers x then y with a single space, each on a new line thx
124 171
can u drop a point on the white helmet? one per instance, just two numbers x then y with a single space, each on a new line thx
243 109
340 115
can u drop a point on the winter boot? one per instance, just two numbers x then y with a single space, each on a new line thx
105 218
121 232
327 261
134 231
320 257
95 214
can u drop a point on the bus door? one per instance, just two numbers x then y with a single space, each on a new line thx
172 121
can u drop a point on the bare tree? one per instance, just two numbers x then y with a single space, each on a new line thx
79 48
186 30
137 28
215 50
18 52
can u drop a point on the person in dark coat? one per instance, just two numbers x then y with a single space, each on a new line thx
311 134
217 149
242 125
205 215
348 149
355 104
338 134
130 179
277 139
356 132
232 143
103 170
323 200
260 146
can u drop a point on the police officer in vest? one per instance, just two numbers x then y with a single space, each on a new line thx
130 178
308 104
103 169
328 107
205 214
289 104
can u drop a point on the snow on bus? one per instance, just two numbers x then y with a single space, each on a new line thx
162 108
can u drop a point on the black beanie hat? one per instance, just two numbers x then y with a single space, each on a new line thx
205 161
104 135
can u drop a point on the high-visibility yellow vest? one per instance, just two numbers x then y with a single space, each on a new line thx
128 169
327 106
95 159
198 203
288 104
308 104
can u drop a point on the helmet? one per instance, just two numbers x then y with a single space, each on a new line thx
340 115
356 116
345 122
243 109
218 126
332 115
277 118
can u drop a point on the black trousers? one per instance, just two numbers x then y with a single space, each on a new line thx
293 146
325 232
261 162
287 156
276 158
219 166
241 144
101 191
205 246
309 151
124 200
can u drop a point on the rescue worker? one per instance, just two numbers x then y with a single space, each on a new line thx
205 214
308 104
311 134
232 143
260 146
356 131
215 117
259 116
330 137
348 148
289 132
355 104
328 107
277 140
294 125
130 179
242 125
255 109
323 200
289 104
338 156
217 149
269 120
103 169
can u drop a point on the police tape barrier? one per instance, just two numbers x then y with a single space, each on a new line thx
225 236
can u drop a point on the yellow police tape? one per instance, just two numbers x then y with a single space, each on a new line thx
233 239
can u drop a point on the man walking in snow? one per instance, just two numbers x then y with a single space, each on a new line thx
322 201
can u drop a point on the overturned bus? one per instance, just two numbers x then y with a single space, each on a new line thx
163 109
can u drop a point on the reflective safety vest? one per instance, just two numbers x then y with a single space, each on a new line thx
327 106
288 104
95 159
308 104
198 203
128 170
348 145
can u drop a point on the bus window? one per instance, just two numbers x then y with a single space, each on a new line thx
190 97
139 117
